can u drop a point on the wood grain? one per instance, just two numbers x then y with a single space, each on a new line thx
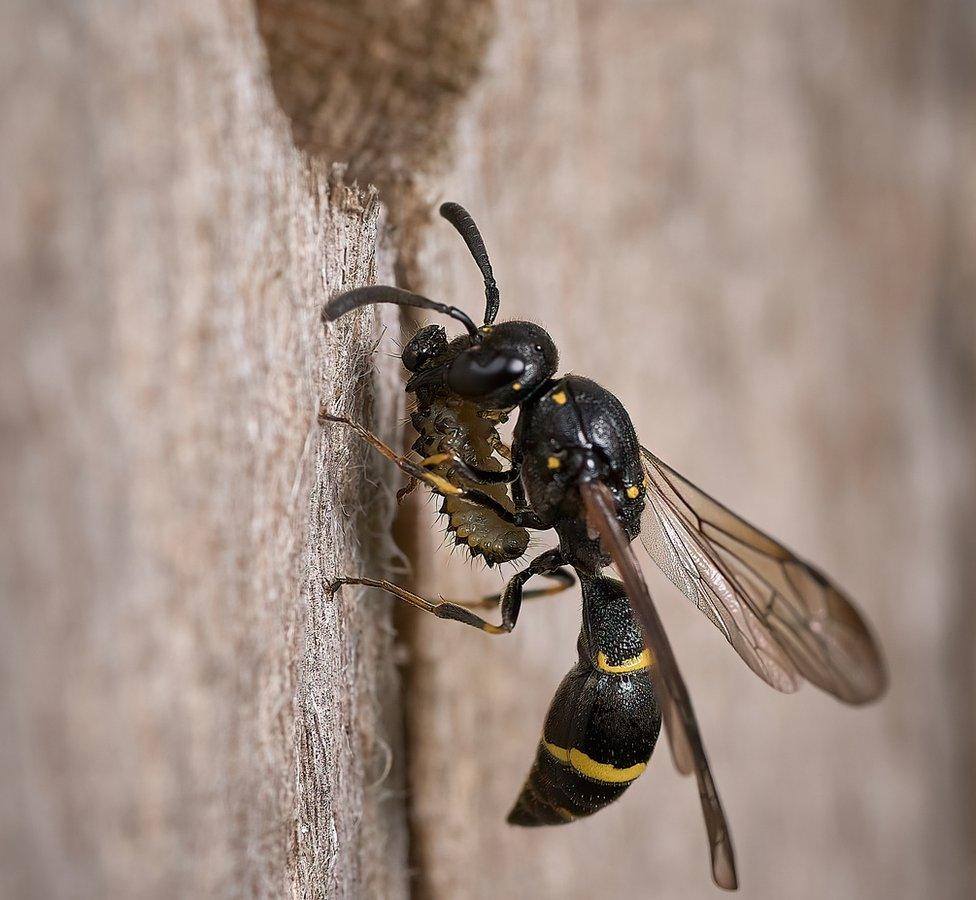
184 712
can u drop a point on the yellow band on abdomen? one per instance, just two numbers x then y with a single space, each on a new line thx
559 753
634 664
599 771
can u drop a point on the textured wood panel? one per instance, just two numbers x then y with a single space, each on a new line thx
184 713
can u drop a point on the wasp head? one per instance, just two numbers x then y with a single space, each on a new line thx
495 366
503 367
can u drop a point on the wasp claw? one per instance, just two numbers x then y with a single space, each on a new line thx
407 489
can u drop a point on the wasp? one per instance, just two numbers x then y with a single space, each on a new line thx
576 467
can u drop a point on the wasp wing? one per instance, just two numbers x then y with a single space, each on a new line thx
679 716
782 615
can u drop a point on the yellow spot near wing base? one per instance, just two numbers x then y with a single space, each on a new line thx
633 492
634 664
559 397
436 459
590 768
553 462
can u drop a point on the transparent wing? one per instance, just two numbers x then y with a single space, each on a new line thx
783 616
679 716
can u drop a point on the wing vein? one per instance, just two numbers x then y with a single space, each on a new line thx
782 616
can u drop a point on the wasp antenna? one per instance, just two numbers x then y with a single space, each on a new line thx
382 293
461 219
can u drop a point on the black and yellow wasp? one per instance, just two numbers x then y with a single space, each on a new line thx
575 466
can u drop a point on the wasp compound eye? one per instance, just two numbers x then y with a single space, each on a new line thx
472 375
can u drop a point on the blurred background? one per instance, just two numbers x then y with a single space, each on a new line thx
754 222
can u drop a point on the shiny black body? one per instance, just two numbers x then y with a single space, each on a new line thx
575 466
605 718
603 722
570 431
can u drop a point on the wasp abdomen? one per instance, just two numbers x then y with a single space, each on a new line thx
603 722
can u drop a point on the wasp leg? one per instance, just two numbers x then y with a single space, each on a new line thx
478 476
499 446
443 609
404 492
413 469
512 597
564 581
522 517
483 476
545 564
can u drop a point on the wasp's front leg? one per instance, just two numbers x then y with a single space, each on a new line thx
415 470
480 476
522 516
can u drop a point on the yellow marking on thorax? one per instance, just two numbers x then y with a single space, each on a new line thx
633 492
559 397
553 462
634 664
517 386
436 459
604 772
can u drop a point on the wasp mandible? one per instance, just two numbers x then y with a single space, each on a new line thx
575 466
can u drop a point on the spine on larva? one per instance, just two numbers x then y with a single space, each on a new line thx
603 722
456 428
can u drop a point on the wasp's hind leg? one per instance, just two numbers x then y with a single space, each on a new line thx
563 578
443 609
405 491
548 563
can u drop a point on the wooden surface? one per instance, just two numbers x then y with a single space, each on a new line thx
754 222
184 713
